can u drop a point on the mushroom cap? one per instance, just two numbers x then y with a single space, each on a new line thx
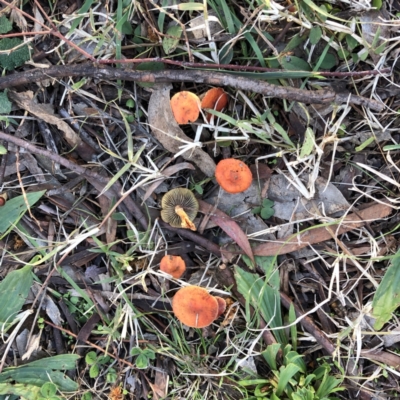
185 106
233 175
173 265
178 197
221 305
195 307
216 98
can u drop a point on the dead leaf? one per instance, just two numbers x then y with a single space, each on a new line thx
168 133
167 172
26 101
291 206
317 235
198 25
228 225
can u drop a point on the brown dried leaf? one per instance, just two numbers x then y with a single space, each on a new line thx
26 101
168 133
228 225
297 242
166 172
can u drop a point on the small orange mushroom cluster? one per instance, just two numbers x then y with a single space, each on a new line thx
233 175
186 105
197 308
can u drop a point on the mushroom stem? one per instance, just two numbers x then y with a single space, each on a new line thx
185 221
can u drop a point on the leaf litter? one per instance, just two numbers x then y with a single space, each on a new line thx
315 232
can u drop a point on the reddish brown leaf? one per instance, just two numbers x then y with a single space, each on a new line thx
229 226
296 242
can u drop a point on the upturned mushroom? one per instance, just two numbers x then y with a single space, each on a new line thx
221 305
179 208
215 98
233 175
185 106
173 265
195 307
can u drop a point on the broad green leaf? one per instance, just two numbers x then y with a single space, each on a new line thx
270 355
293 63
295 42
387 296
328 61
26 392
5 25
14 290
16 57
91 357
3 150
263 295
308 144
225 54
48 389
351 42
38 377
60 362
142 362
285 375
169 43
322 11
315 35
15 208
94 371
5 104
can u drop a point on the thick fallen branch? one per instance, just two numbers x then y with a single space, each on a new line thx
203 77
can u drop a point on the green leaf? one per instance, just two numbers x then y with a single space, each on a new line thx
48 389
135 351
295 42
170 43
285 375
315 35
142 362
3 150
111 376
263 294
5 104
38 377
60 362
16 57
328 62
26 392
270 355
267 212
5 25
308 144
351 42
387 295
377 4
94 371
14 290
225 54
15 208
292 63
91 357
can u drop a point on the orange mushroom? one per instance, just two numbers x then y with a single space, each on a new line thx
233 175
221 305
185 107
216 99
195 307
173 265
